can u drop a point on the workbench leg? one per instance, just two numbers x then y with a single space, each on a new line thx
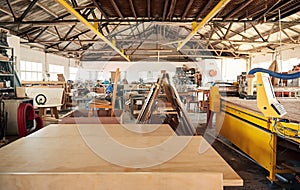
51 112
41 112
55 111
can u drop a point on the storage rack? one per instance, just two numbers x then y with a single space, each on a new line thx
7 77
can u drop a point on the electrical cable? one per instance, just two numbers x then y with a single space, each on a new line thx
26 113
283 135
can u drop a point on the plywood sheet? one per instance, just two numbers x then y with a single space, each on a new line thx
115 130
59 150
105 181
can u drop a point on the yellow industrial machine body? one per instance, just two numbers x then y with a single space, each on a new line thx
245 130
253 133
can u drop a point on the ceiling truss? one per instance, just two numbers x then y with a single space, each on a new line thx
239 30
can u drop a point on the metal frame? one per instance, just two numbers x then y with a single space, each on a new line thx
49 33
90 26
209 16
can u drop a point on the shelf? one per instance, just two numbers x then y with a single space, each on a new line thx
5 47
6 89
43 82
9 61
6 75
7 66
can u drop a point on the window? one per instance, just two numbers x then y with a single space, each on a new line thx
54 70
31 71
72 73
100 75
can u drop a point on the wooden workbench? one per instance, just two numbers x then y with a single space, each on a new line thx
291 106
57 157
53 109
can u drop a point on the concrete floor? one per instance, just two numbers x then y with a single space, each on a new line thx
254 176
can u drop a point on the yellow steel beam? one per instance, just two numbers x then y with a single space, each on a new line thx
90 26
208 17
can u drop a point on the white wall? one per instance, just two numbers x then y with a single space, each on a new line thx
286 59
132 68
231 68
227 69
14 42
36 55
25 53
32 55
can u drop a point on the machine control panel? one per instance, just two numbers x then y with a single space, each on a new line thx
278 108
266 99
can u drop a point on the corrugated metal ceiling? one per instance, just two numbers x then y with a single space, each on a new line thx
241 28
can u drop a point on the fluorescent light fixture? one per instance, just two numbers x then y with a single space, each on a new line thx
160 50
160 56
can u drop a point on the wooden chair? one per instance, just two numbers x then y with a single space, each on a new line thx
103 104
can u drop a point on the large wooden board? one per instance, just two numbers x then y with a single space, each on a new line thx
113 181
57 157
115 130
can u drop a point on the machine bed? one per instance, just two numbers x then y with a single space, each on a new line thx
291 105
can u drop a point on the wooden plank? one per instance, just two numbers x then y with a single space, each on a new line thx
43 82
185 127
101 180
68 114
145 112
148 107
293 168
115 130
61 151
50 84
114 93
159 112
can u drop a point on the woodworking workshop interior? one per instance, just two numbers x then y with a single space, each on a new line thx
150 94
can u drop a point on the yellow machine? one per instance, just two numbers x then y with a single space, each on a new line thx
259 128
266 100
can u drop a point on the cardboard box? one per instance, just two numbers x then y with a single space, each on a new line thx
2 84
60 77
20 92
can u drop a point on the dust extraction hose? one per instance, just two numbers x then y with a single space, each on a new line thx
22 118
275 74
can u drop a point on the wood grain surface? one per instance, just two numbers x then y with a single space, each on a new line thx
58 157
